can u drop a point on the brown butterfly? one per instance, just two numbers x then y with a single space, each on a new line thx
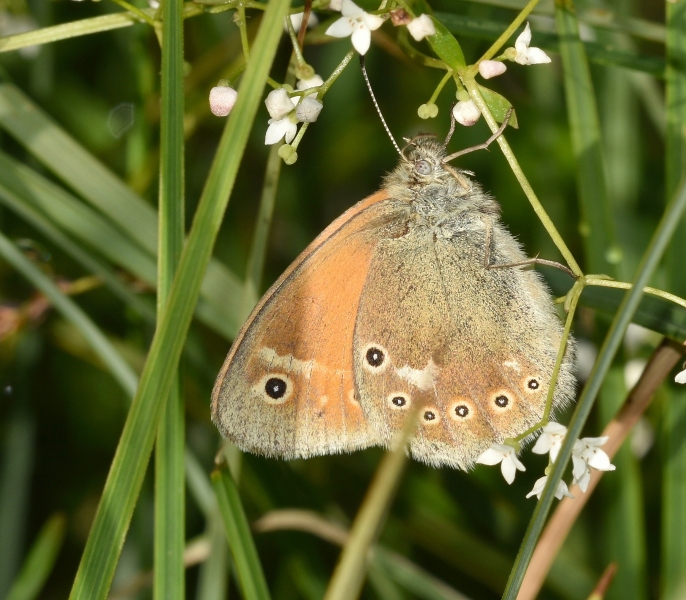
397 303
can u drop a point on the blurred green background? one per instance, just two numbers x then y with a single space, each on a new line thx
61 412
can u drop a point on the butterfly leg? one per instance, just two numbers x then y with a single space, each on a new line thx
483 146
532 261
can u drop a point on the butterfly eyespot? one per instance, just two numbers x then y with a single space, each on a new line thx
533 384
398 400
423 167
275 388
462 411
502 401
430 416
374 358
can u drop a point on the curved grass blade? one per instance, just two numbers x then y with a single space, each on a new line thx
248 568
663 234
119 369
40 560
133 451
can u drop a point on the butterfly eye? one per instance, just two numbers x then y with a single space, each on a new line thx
423 167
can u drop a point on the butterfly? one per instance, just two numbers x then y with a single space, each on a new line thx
415 297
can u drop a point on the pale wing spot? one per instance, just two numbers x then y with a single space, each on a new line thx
351 397
424 379
512 364
295 365
323 400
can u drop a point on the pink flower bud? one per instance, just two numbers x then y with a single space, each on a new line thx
466 113
491 68
222 99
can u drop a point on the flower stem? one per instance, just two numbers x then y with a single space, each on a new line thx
136 11
339 69
440 87
476 96
244 31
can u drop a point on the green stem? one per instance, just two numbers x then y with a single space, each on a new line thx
440 87
136 11
610 283
476 96
244 32
339 69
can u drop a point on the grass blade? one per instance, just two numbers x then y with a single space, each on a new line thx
119 369
663 234
170 510
133 451
248 568
40 561
674 449
602 252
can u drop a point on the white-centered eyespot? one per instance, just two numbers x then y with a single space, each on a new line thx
461 410
532 384
430 415
502 400
398 400
275 388
375 358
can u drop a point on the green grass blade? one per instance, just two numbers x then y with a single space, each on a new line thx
133 451
40 561
597 229
170 510
129 214
67 245
651 258
248 568
17 469
674 449
119 369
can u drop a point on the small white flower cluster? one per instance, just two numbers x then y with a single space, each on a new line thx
359 25
287 112
586 455
465 111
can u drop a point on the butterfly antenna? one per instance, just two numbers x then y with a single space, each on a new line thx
376 105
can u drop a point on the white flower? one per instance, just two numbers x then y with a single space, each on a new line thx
525 55
222 99
355 23
312 82
466 113
335 5
279 129
279 104
308 110
587 454
420 27
681 377
500 453
491 68
550 440
562 489
297 20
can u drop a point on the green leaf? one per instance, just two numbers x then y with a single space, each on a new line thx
247 563
446 46
499 106
40 561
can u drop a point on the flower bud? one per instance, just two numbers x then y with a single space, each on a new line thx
466 113
491 68
222 99
278 104
308 110
427 111
420 27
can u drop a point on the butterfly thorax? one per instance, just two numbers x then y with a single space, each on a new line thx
437 192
